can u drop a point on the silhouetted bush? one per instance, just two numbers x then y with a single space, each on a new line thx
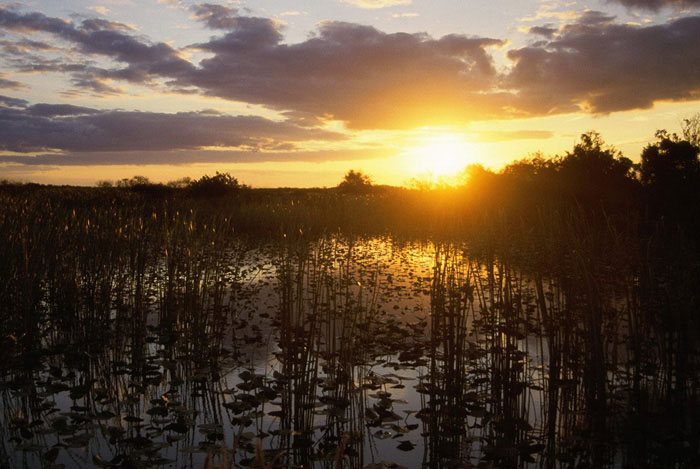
214 186
355 182
670 173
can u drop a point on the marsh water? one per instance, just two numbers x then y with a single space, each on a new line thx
333 352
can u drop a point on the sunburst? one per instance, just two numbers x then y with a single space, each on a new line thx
441 156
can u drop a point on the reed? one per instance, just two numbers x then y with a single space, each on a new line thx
140 328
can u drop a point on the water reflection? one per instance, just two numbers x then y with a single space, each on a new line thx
353 353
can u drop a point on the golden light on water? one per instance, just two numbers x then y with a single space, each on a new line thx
441 157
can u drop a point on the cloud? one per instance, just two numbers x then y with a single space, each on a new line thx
370 79
96 24
600 66
349 72
101 37
84 77
10 84
656 5
12 102
374 4
56 110
99 9
216 16
95 85
546 31
24 46
50 127
187 157
227 18
549 11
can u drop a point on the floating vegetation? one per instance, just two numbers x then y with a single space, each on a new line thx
152 333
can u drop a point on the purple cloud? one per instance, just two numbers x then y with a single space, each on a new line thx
656 5
186 157
350 72
10 84
12 102
601 66
372 79
105 38
44 127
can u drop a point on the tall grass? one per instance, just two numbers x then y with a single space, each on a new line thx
135 326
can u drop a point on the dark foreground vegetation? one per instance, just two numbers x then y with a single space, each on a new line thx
207 324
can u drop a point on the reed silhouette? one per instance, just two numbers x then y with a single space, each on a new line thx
539 316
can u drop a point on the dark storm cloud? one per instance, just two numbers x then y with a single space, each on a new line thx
68 128
601 66
656 5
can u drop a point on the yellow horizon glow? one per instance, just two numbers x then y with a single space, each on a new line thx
440 156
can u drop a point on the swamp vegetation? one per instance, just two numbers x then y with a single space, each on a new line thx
543 316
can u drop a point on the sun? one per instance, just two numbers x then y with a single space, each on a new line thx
440 156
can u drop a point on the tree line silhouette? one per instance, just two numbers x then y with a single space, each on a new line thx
617 239
592 178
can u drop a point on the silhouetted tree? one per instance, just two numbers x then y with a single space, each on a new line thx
533 181
669 161
181 183
355 181
134 181
670 172
214 186
143 186
670 279
593 173
479 184
691 129
474 174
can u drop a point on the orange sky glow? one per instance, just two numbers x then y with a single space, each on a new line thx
282 93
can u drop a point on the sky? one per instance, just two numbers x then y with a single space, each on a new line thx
295 93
